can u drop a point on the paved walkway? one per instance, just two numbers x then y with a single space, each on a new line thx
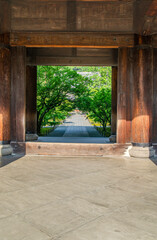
76 129
46 198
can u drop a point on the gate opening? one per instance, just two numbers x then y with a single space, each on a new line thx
74 104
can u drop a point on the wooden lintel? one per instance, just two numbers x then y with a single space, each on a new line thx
71 39
121 1
72 61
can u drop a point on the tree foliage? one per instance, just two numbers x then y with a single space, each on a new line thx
56 88
97 99
61 89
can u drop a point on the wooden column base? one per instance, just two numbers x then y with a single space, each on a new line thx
5 150
142 150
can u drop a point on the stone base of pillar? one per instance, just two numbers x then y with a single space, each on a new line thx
112 138
141 152
31 137
6 150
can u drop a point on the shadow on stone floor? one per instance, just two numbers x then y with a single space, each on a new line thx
154 160
5 160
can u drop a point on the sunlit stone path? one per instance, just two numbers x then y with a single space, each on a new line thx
77 125
75 128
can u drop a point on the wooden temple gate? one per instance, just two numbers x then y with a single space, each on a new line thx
117 33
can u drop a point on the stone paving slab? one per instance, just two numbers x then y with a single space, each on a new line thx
78 198
77 125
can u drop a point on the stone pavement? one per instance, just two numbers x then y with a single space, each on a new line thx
78 198
76 129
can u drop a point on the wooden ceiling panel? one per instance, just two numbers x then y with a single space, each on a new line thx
105 16
110 16
46 16
42 9
33 15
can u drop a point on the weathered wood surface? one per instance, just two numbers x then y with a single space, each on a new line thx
18 94
142 22
152 9
155 96
124 102
116 16
31 99
121 101
5 86
72 61
71 39
154 40
72 52
72 15
72 56
114 101
142 96
129 92
74 149
5 16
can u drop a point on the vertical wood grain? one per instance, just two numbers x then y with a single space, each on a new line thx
18 93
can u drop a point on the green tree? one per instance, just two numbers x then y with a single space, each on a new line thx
97 99
56 88
100 107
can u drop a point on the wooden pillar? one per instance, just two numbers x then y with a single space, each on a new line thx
154 137
142 95
18 93
31 96
124 92
142 119
5 86
114 105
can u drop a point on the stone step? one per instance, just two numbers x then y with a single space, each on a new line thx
70 149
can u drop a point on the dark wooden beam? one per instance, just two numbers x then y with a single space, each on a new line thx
5 16
72 61
36 1
72 52
72 56
71 39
